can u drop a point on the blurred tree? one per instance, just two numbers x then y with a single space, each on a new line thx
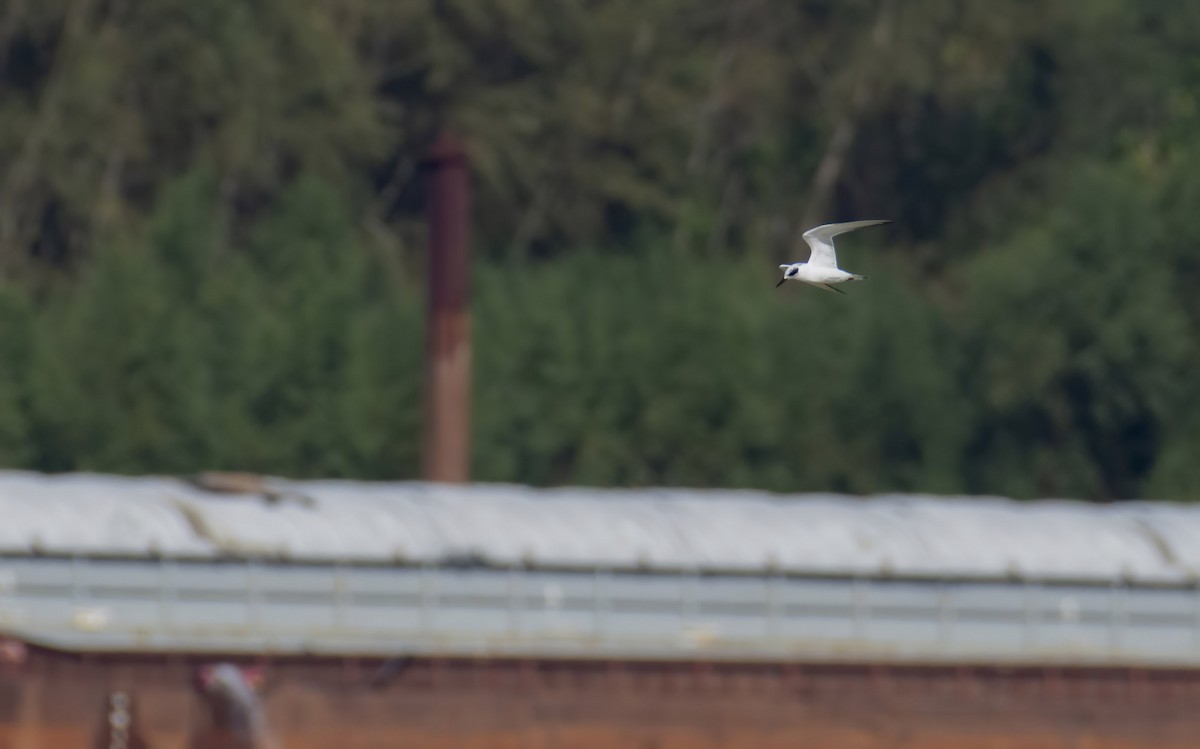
1077 344
667 371
292 358
211 238
107 102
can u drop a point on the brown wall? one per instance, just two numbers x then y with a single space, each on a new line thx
55 701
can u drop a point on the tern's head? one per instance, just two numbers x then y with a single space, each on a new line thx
788 272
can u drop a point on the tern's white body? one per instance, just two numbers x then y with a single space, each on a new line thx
809 273
822 267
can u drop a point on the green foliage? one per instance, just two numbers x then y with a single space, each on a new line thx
212 232
604 369
1079 343
291 358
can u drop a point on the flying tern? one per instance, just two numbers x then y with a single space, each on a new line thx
822 268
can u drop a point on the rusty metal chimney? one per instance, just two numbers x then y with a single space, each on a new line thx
446 448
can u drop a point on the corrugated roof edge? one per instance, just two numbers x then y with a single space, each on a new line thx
507 526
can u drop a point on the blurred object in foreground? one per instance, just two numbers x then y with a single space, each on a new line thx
120 727
237 717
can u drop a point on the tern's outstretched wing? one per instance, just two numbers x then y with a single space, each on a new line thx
820 239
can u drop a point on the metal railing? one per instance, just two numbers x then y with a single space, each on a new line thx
91 604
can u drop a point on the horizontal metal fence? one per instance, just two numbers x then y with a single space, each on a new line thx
153 606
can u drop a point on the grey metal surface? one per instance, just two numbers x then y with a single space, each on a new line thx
649 530
99 605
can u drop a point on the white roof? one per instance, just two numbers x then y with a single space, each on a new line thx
667 529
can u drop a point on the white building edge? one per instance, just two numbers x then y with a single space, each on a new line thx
104 563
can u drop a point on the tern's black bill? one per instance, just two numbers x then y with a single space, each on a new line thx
781 282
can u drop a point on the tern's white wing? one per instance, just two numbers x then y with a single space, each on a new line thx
820 239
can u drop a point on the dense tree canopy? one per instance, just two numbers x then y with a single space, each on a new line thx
211 239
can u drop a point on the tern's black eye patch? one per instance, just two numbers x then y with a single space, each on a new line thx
792 272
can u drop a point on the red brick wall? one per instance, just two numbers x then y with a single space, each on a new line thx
55 701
